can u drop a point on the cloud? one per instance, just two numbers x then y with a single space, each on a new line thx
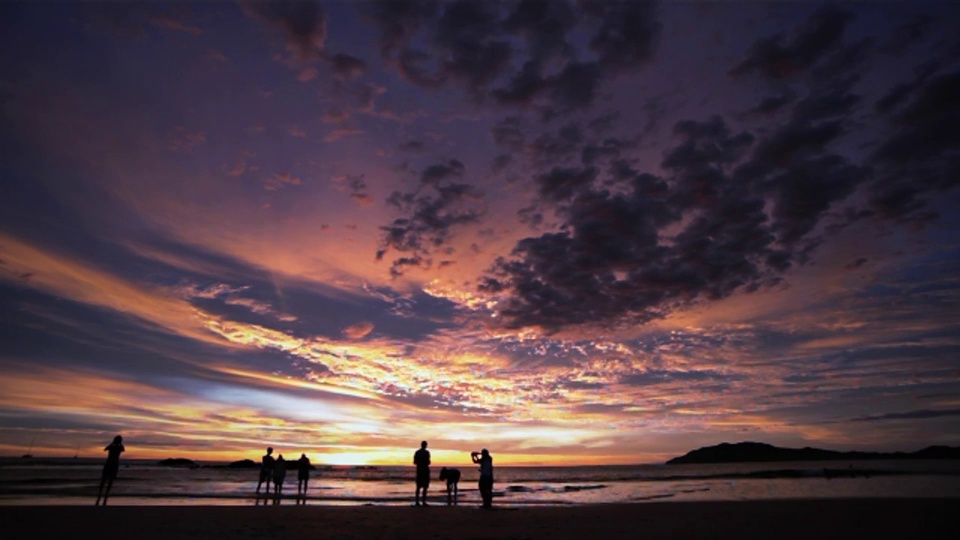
732 212
64 277
358 331
307 74
279 181
913 30
170 22
821 33
923 414
355 186
518 54
341 132
415 146
508 134
346 66
439 204
185 140
628 33
543 26
920 154
302 23
241 166
774 104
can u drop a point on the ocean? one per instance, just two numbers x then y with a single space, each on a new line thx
66 481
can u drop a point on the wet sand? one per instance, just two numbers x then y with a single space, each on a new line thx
805 519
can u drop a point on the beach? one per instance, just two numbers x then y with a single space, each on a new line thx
780 519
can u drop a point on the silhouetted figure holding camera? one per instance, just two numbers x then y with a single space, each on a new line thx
485 484
452 476
421 458
110 468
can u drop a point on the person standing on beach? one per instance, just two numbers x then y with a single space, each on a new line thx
303 476
110 468
421 458
279 473
266 470
485 484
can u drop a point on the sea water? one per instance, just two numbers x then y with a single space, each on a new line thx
41 481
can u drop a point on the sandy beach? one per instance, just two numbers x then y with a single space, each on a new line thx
805 519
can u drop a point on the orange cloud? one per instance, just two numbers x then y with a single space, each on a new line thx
358 331
63 276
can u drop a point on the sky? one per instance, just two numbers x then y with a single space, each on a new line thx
569 232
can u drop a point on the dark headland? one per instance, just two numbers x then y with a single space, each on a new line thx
744 452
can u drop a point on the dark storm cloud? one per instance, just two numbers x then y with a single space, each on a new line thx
399 21
606 150
415 146
560 184
728 210
302 22
508 134
561 146
921 154
624 37
900 93
628 33
859 263
910 415
605 265
518 53
346 66
775 57
793 167
805 192
912 31
525 85
773 104
472 49
440 203
465 39
543 25
654 376
742 210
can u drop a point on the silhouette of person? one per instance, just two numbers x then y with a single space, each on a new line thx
110 468
485 484
279 473
421 458
303 476
266 470
452 476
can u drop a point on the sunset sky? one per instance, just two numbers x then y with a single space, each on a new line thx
568 232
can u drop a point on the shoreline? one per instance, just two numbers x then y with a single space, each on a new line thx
783 519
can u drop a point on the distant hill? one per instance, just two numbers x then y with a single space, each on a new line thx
178 462
759 452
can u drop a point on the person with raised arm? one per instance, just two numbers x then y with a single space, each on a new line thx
110 468
485 460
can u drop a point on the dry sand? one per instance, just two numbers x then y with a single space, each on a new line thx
807 520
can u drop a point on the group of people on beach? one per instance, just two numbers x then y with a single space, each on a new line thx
275 470
421 458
